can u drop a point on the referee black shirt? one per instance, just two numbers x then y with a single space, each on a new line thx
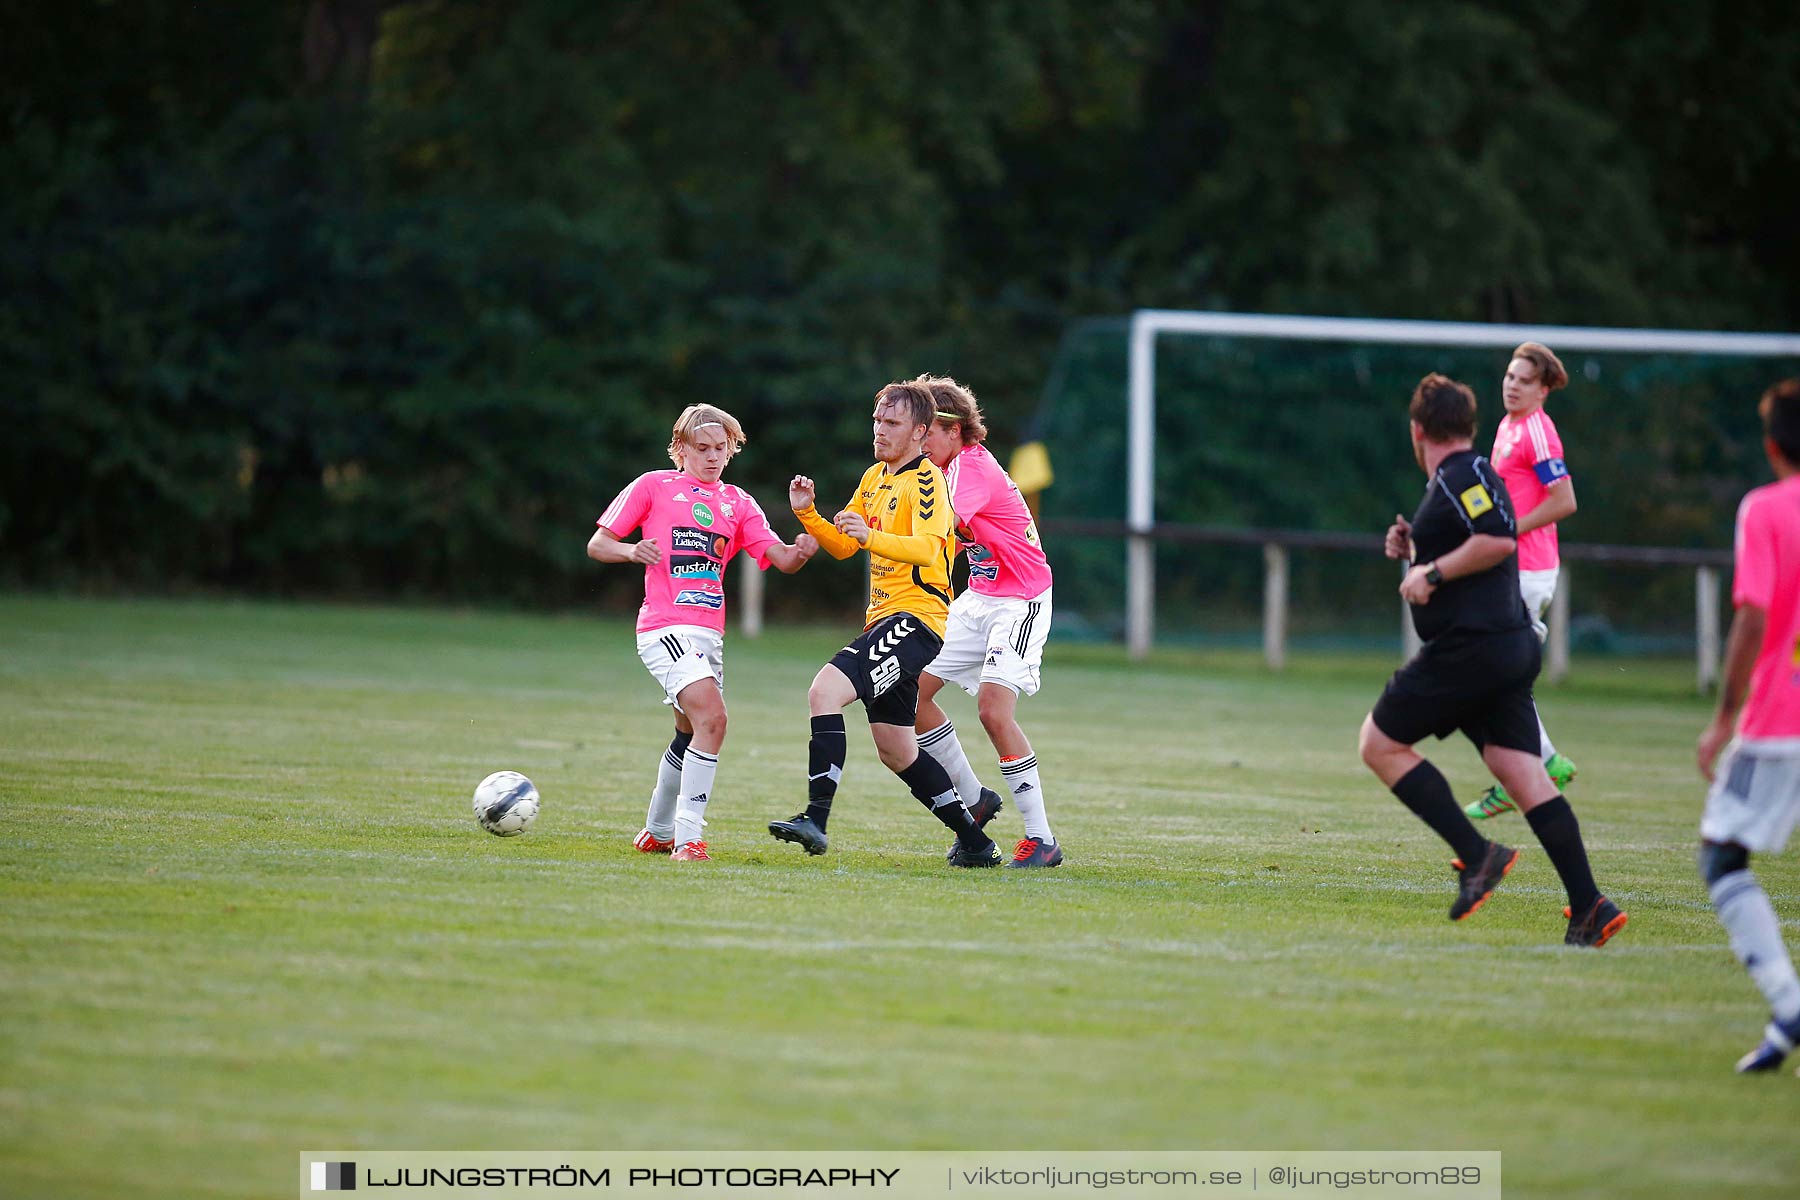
1464 498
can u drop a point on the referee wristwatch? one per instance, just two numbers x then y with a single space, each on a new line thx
1433 576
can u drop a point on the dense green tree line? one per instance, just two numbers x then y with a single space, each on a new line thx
364 296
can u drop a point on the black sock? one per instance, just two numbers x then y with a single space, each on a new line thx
678 748
824 766
1425 790
931 783
1556 827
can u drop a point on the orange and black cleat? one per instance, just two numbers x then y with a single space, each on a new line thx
1478 882
1596 926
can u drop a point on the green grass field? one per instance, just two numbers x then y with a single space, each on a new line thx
246 912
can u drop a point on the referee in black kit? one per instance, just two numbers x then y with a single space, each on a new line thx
1476 669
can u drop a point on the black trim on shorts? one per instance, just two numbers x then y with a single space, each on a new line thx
1024 638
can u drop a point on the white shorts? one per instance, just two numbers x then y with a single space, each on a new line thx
1755 795
678 655
994 640
1538 588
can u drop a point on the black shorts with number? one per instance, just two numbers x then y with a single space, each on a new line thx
884 664
1479 683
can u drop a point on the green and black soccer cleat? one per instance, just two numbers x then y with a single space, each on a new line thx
985 809
984 856
1495 801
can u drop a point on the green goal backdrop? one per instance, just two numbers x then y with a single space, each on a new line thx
1309 433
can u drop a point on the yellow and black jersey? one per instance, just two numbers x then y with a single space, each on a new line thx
910 542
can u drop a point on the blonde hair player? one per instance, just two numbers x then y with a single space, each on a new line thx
692 524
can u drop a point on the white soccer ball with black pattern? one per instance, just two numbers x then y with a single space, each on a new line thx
506 803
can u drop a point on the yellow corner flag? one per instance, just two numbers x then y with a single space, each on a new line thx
1030 468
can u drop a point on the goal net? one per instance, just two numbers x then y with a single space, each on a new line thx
1238 422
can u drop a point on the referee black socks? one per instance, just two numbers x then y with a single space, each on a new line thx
1425 790
1556 828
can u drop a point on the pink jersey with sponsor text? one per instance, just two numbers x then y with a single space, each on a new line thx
993 522
1768 576
1529 456
699 527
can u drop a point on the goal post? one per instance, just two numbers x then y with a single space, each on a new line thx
1147 325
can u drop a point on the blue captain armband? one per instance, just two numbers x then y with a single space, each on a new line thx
1551 470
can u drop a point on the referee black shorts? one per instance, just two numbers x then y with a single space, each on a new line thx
1479 683
884 664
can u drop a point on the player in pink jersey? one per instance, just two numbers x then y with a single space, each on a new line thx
1529 456
692 526
994 644
1755 796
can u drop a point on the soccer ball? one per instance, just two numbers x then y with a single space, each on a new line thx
506 803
